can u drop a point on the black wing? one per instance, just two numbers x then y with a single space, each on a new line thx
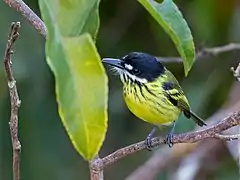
177 97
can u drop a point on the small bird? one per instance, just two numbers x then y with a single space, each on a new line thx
151 92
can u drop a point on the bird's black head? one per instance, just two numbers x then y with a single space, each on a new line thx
138 65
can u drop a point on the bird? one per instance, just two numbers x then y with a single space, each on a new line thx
152 93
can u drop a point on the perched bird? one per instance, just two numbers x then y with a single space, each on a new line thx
151 92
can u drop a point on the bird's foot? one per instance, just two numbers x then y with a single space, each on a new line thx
169 139
148 140
148 143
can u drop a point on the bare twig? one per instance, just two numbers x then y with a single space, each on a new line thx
227 137
205 53
15 102
96 173
236 72
221 49
228 122
21 7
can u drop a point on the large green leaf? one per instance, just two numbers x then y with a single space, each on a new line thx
74 17
81 82
170 18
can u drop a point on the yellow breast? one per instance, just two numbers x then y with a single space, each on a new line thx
150 104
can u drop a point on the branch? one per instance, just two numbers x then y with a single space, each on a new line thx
15 102
228 122
21 7
228 137
205 53
96 172
236 72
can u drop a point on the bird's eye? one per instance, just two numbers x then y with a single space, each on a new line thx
135 71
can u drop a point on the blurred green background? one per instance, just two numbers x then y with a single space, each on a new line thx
125 26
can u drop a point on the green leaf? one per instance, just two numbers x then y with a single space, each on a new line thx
170 18
74 17
81 81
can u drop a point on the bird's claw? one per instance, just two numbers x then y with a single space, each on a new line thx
148 143
169 140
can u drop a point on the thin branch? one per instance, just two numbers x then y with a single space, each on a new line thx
227 137
21 7
15 102
228 122
236 72
205 53
96 173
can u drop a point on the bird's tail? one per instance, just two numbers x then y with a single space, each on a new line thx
194 117
197 119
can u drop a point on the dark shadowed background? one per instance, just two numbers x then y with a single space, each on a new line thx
125 26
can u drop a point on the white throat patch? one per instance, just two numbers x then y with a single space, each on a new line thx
132 77
123 73
135 78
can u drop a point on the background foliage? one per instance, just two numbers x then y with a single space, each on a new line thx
125 26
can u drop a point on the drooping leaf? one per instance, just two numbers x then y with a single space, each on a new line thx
74 17
170 18
81 82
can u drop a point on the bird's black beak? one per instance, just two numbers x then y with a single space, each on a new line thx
113 62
